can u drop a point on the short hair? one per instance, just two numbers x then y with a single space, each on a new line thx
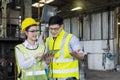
55 20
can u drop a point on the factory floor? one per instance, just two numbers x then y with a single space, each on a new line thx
102 75
99 75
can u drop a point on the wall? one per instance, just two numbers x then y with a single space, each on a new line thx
97 59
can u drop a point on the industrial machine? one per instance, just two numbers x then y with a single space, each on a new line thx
9 37
7 58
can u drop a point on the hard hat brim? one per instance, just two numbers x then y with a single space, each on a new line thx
37 23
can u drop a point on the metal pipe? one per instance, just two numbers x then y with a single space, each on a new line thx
4 14
108 43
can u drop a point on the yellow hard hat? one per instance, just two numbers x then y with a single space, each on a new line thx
27 22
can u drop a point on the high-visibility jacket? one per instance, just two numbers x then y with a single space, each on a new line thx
63 64
35 72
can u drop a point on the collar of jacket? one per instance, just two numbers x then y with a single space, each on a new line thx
62 32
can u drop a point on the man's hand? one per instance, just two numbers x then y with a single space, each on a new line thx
48 58
77 54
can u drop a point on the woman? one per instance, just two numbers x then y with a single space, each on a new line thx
28 53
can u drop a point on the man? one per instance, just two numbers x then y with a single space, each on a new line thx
28 53
64 64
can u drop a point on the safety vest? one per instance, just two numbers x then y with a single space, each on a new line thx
35 72
63 64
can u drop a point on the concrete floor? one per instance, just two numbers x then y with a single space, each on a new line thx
102 75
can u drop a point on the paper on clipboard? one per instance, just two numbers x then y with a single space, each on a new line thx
52 51
49 52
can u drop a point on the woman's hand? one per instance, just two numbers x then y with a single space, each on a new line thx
38 55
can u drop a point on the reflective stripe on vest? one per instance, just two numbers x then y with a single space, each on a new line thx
31 73
64 71
62 45
63 60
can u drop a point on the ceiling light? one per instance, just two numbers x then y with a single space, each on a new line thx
46 1
49 1
18 7
42 3
118 23
59 11
37 4
76 8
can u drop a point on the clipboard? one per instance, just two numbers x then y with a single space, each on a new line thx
52 51
49 52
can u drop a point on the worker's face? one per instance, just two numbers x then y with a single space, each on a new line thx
32 33
55 29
